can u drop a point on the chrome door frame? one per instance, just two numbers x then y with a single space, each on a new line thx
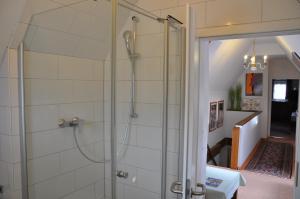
22 124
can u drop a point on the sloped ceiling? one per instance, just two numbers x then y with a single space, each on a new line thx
226 58
225 61
290 43
80 28
10 14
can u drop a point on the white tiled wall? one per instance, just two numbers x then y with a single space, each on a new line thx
64 87
220 17
9 132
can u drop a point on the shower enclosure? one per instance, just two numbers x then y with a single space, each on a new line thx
101 102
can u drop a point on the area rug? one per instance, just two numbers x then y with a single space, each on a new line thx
273 158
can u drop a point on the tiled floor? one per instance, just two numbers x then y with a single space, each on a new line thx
260 186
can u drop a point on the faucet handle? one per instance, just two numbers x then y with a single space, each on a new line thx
62 123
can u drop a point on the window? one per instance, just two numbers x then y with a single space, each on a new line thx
279 91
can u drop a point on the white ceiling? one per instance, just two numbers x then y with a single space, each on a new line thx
226 56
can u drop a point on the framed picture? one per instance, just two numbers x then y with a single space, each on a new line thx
220 113
254 84
213 116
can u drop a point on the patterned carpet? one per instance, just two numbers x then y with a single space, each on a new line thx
273 158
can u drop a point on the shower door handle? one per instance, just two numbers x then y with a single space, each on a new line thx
176 187
199 193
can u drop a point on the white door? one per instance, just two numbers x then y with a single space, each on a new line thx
297 148
191 183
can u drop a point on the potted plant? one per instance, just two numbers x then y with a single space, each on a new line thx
238 97
231 95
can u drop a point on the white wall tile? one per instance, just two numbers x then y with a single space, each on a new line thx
124 69
136 193
87 192
157 4
143 158
100 189
15 121
89 175
5 120
172 163
4 90
48 142
277 9
75 68
173 116
149 69
150 137
148 26
150 45
4 173
221 13
43 168
84 91
39 118
40 91
84 111
55 188
72 159
14 92
40 65
149 91
149 180
50 41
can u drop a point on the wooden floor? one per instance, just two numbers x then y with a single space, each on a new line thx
260 186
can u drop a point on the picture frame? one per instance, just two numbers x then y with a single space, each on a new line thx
213 116
254 84
220 121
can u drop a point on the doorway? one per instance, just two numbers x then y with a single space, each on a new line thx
284 107
221 78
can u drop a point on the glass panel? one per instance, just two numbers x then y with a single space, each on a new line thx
175 107
67 74
139 124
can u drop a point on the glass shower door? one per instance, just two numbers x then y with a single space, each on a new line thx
148 106
139 100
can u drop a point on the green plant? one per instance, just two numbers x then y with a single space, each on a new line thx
231 96
238 97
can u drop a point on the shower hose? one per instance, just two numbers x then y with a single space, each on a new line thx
120 153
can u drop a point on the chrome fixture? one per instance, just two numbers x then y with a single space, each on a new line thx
176 187
75 123
122 174
130 43
62 123
252 64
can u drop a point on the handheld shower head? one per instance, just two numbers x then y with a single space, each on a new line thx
128 36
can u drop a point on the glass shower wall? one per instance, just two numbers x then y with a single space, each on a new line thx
139 128
176 83
67 51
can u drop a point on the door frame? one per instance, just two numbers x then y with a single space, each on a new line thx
202 112
270 96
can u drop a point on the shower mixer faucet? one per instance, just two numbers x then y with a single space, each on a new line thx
62 123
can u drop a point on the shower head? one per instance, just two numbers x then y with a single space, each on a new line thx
128 37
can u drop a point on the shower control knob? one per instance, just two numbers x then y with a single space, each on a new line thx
62 123
75 121
122 174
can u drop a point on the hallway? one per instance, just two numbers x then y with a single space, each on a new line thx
261 186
